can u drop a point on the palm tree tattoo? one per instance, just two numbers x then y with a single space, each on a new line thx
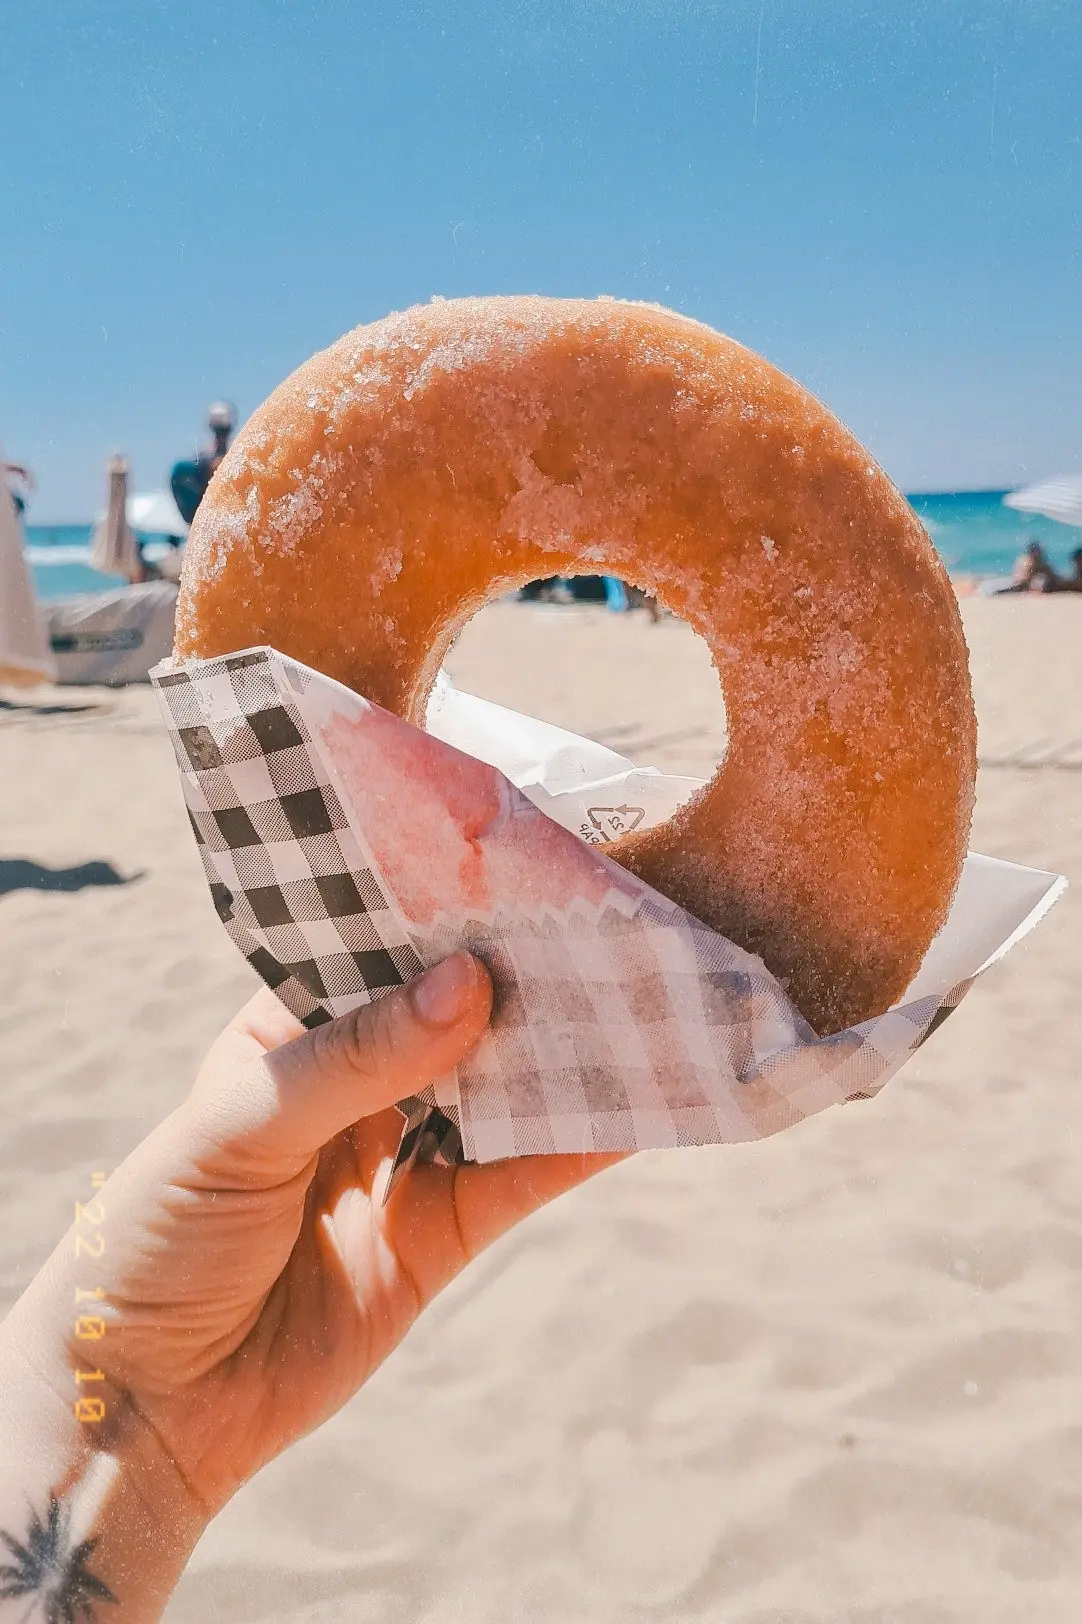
48 1568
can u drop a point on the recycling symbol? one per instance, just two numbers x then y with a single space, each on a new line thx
610 821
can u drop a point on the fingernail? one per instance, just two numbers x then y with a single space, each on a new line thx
442 994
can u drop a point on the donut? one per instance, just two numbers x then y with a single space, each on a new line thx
447 454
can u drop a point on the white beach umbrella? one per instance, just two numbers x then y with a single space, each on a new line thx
25 656
152 513
1054 498
113 548
156 514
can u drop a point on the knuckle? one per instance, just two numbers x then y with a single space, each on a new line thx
365 1042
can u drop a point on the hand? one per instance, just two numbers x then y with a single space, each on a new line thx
252 1278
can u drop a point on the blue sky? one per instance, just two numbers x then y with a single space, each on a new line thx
885 198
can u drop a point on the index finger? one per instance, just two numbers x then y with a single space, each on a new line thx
489 1200
266 1021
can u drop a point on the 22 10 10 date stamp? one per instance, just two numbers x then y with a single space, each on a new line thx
89 1327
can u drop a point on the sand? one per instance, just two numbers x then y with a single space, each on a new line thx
832 1377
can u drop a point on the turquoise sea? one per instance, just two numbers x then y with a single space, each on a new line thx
974 532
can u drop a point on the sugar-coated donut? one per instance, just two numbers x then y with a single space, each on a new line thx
425 463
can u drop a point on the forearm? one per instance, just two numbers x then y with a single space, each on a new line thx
227 1289
91 1506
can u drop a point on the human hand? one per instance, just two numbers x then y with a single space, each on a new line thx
252 1278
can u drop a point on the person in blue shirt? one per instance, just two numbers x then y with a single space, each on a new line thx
189 480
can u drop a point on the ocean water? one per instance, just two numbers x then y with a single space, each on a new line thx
976 535
58 556
974 532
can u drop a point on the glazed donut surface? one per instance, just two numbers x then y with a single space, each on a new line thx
447 454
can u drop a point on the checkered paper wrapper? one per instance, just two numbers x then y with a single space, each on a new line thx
346 850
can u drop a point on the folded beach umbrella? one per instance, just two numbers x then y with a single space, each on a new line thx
25 656
1054 498
113 548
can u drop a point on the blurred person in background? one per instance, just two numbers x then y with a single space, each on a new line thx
20 472
1034 571
1073 582
189 480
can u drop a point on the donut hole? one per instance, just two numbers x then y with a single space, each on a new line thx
646 689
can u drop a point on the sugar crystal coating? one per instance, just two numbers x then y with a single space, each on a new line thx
450 452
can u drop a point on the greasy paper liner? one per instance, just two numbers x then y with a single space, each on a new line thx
346 850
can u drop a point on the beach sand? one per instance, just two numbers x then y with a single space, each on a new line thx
831 1377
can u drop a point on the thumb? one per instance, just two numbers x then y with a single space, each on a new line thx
311 1089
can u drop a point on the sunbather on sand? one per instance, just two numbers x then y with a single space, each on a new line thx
1073 582
1034 572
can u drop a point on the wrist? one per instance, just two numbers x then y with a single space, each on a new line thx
87 1472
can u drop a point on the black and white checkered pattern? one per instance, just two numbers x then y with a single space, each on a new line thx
285 872
286 876
628 1030
623 1027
